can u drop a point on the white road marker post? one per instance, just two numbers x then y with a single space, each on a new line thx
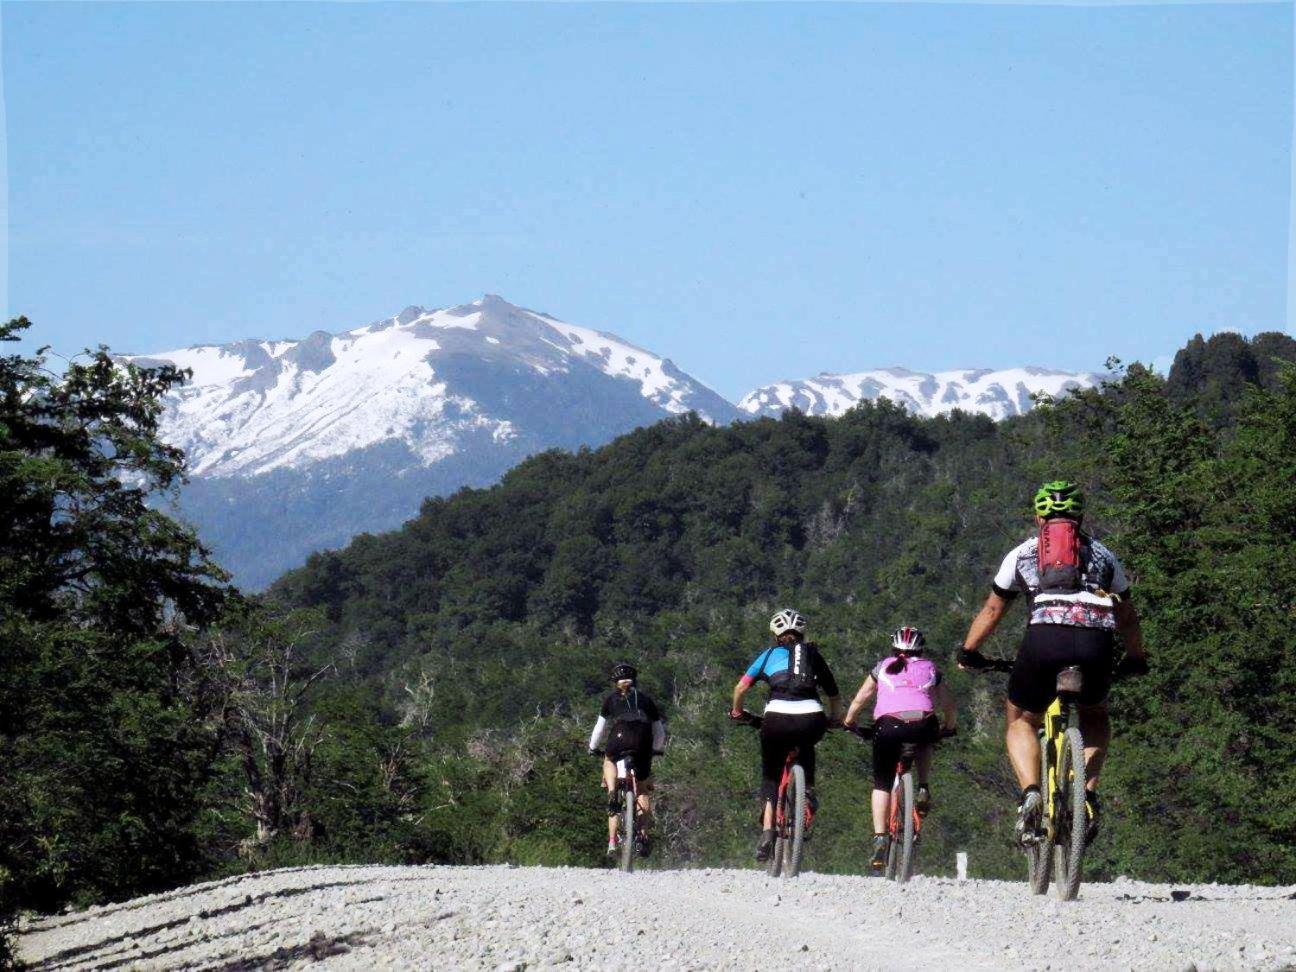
960 862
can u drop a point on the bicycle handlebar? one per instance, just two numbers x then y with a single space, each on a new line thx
977 662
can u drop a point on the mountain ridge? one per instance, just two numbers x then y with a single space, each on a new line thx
998 393
298 445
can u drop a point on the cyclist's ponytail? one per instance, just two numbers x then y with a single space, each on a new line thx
897 665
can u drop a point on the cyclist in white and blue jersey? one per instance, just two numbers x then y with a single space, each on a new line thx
794 716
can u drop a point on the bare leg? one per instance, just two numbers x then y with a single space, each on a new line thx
609 784
645 806
1022 740
881 810
767 821
1095 726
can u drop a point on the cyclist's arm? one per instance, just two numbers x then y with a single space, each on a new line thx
739 692
1127 622
987 619
828 682
861 699
755 671
599 734
659 736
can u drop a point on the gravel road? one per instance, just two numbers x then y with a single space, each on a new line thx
506 918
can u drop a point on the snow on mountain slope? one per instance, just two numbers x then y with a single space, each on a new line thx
997 394
424 378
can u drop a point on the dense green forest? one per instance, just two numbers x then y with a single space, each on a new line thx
425 695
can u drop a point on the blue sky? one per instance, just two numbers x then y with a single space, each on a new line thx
759 191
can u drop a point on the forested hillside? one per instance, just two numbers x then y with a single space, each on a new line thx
425 695
488 624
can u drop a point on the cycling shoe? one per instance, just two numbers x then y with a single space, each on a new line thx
1028 815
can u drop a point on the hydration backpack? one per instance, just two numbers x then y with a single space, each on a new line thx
801 670
1060 569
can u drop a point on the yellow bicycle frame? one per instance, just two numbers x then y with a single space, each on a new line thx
1054 730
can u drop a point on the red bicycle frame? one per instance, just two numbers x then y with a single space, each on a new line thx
895 825
780 818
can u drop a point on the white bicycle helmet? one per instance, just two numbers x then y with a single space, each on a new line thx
909 640
787 620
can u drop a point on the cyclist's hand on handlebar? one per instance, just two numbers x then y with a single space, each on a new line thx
596 753
970 660
737 715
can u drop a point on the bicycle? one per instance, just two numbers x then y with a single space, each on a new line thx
1055 851
904 822
629 829
793 812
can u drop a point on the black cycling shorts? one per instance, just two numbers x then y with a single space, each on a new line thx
782 731
1049 648
632 738
888 735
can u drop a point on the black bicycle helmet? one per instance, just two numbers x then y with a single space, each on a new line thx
623 671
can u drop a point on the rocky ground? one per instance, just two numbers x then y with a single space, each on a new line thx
506 918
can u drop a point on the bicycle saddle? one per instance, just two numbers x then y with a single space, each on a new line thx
1070 681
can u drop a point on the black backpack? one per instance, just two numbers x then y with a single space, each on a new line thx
799 677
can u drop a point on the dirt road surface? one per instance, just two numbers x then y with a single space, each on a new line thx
507 918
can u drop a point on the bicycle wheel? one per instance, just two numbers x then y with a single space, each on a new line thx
1039 855
1069 838
796 832
628 831
908 847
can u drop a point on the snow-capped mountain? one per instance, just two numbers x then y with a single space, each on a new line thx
299 445
296 446
997 394
426 379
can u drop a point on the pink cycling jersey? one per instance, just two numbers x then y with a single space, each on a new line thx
906 691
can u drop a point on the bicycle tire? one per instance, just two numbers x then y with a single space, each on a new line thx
628 831
1069 838
796 839
1039 855
908 849
893 858
774 866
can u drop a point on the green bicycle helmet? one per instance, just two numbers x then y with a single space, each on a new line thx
1059 498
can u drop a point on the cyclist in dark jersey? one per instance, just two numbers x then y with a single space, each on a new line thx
794 716
630 723
1062 629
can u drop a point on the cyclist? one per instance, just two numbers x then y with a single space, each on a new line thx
909 689
631 723
1064 627
794 716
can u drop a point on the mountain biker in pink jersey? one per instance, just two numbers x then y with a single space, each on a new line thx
909 690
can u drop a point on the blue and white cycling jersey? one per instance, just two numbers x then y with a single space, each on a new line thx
773 666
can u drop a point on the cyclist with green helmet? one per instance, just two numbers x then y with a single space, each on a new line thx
1076 605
